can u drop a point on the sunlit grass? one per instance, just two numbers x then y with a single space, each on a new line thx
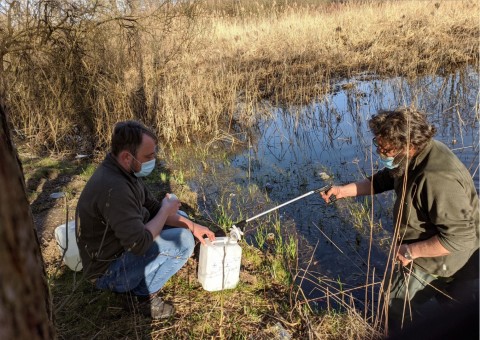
164 177
223 218
179 177
88 171
360 214
260 237
291 247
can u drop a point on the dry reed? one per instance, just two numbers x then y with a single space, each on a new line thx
194 71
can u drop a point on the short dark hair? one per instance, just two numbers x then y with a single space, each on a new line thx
402 126
128 136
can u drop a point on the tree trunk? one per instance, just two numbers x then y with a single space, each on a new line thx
25 307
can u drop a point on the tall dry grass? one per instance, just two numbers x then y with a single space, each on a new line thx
197 70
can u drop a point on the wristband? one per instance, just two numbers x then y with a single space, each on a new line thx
407 253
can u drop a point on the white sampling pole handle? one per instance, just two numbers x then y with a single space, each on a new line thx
281 205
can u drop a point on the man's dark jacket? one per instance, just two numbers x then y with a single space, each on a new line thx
111 214
439 198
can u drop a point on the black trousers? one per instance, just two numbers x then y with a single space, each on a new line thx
425 307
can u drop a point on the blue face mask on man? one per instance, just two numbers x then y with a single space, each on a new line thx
146 168
387 162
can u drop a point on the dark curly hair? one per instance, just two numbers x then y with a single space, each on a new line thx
402 126
128 136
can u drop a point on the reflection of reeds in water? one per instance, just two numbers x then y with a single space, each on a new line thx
339 121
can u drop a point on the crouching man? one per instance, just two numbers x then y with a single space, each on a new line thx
129 242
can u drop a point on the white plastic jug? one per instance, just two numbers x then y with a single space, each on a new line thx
219 265
72 256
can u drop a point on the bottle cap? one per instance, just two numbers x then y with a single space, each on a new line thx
235 234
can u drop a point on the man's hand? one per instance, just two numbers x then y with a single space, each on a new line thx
427 248
199 231
360 188
334 190
170 204
402 254
168 209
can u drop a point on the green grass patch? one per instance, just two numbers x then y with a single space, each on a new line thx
88 171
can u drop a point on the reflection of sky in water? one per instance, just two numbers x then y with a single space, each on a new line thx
332 136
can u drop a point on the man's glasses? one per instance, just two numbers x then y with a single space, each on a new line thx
380 148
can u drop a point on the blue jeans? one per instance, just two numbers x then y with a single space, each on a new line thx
148 273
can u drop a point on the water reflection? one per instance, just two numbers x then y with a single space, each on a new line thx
334 134
298 149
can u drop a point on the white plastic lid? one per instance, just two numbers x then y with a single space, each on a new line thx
235 234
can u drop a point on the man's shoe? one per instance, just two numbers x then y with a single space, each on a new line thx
156 308
149 306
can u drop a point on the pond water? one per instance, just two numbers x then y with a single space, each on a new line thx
299 149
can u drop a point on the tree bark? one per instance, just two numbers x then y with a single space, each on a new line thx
25 305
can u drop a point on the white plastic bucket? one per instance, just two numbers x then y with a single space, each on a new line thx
219 265
72 256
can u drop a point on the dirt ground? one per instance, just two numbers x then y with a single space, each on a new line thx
49 212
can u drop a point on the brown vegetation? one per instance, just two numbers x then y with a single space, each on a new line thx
199 69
